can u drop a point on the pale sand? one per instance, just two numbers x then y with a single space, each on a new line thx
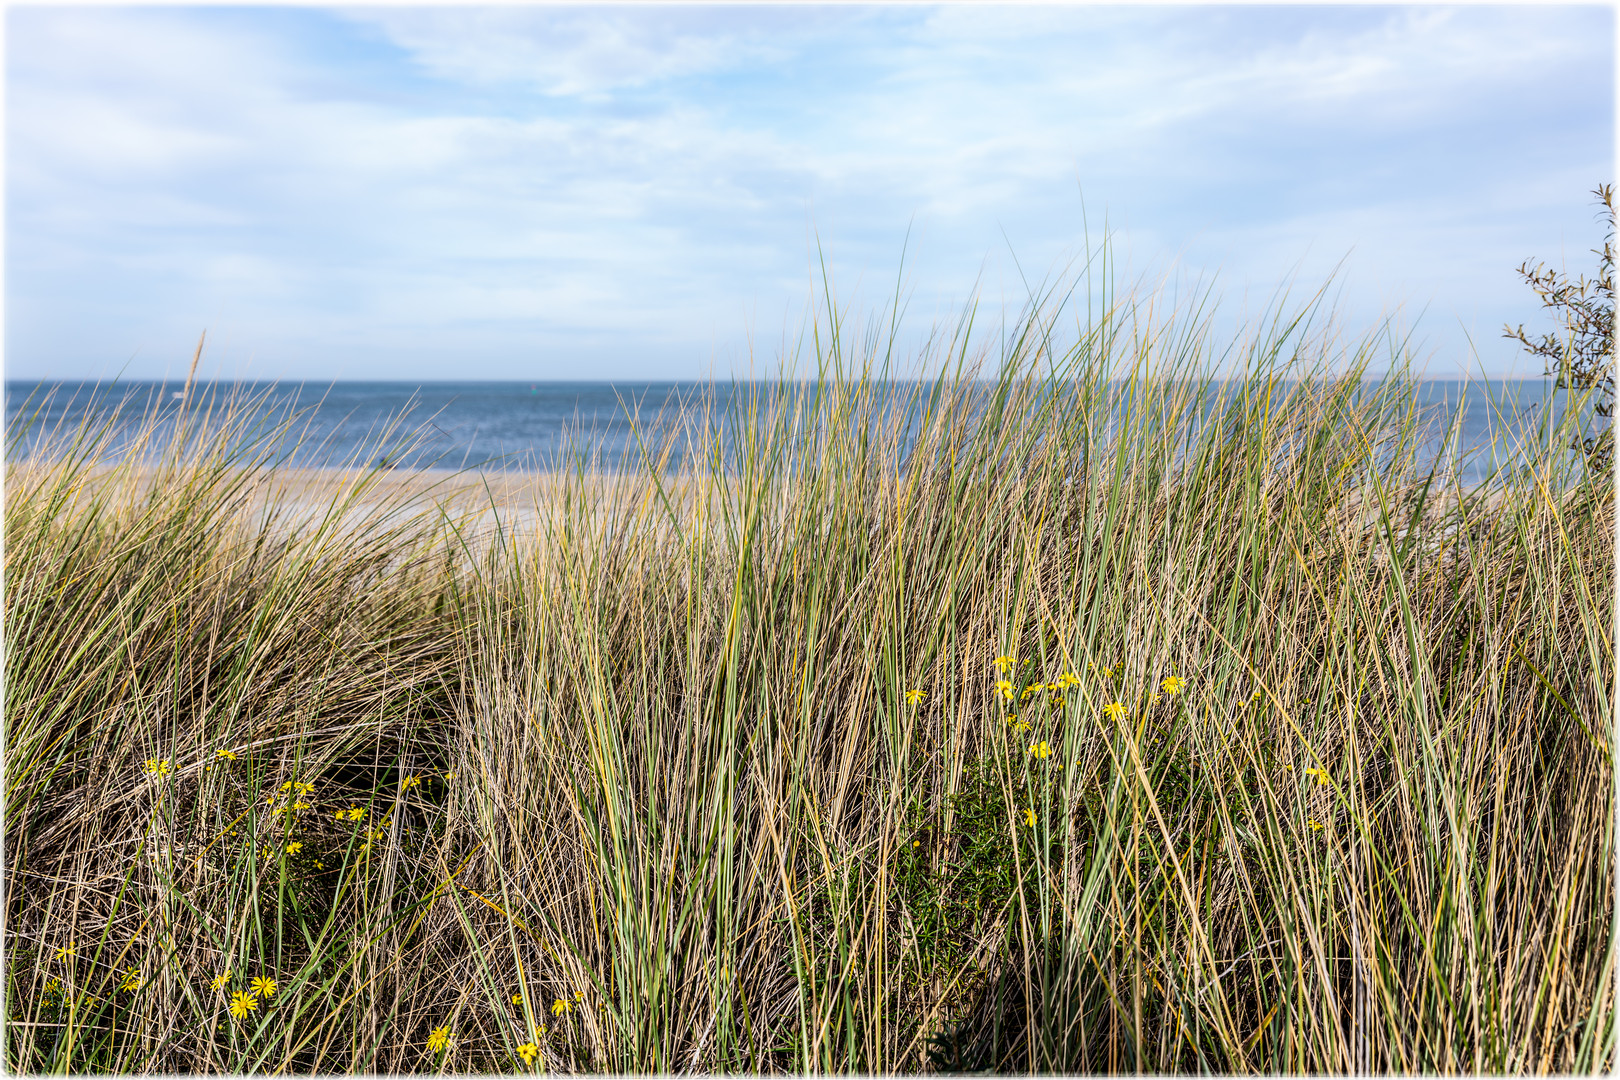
295 499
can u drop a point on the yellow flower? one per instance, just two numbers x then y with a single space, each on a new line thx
287 786
1022 725
1320 774
439 1038
579 995
242 1004
1315 825
1005 688
353 813
1154 700
300 806
1005 664
65 951
226 754
560 1007
528 1052
1029 818
449 776
517 999
132 980
263 987
305 789
1115 711
219 980
1173 685
157 767
295 847
914 697
1067 679
410 781
1041 750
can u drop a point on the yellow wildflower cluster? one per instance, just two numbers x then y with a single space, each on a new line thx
353 813
245 1001
528 1052
158 767
1321 776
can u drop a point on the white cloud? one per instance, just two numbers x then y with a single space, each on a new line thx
653 175
584 51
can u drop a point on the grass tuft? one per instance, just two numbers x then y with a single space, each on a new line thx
1245 741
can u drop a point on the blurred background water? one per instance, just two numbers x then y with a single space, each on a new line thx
547 425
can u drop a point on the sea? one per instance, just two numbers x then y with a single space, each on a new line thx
544 426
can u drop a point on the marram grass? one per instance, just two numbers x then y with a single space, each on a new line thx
1053 732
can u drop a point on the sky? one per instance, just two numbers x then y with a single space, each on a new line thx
663 192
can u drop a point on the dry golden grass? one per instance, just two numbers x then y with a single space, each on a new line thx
637 784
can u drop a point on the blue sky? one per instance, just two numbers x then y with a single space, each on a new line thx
638 193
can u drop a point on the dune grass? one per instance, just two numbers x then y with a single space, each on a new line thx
1051 732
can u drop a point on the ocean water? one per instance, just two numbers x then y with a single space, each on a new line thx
542 426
